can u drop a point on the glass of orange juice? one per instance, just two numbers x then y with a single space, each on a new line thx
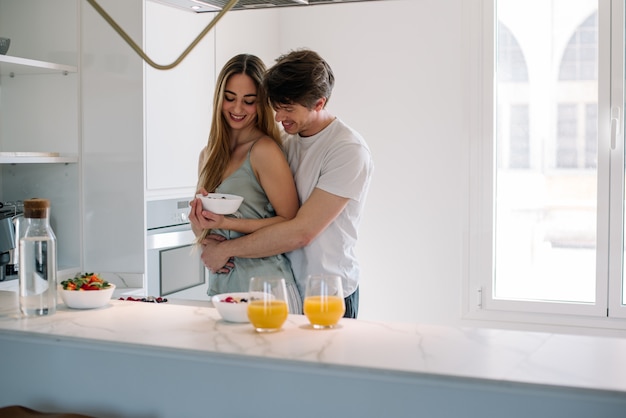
323 300
267 305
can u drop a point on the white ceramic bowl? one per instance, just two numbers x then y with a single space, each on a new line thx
86 299
229 311
220 203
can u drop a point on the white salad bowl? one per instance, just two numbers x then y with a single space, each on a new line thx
86 299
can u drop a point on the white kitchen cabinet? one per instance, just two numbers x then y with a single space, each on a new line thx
178 101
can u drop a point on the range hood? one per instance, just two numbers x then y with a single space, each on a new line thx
203 6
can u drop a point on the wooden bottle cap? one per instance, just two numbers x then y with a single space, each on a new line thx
36 208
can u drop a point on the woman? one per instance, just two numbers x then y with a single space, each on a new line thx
244 157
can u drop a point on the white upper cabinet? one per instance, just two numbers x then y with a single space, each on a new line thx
178 101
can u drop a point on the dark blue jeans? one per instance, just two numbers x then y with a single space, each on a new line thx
352 305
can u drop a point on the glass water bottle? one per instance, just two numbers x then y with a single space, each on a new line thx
37 261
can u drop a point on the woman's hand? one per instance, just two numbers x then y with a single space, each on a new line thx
203 219
195 213
214 220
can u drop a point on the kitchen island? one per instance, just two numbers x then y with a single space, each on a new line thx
137 359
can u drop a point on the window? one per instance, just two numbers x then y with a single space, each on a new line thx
519 139
567 136
546 244
580 58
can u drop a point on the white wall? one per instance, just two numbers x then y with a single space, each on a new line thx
398 70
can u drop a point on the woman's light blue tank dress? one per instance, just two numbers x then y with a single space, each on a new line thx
255 205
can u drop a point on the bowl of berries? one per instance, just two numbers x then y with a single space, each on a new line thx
220 203
86 291
232 307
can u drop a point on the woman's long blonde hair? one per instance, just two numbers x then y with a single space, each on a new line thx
218 149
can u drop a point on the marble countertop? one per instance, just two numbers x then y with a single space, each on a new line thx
597 363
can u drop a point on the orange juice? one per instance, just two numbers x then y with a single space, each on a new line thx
324 311
269 314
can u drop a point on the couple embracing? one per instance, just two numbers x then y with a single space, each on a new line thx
304 188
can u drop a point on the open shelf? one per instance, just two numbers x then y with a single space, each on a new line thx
19 66
36 158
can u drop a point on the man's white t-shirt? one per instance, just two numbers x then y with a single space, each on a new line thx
338 161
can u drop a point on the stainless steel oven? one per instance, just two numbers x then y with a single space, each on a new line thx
174 268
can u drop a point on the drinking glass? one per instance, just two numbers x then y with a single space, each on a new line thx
323 301
267 307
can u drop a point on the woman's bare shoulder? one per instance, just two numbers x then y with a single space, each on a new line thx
266 145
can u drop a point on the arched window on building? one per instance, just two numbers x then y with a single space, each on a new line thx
514 124
511 65
577 115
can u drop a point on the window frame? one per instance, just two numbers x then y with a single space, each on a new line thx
616 254
608 311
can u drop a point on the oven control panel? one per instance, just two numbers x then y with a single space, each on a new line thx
167 212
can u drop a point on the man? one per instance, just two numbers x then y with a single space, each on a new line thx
332 167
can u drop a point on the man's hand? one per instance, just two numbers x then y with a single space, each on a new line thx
211 257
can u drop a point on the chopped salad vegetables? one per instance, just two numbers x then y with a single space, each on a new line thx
86 281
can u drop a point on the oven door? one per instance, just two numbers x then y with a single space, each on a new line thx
175 269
